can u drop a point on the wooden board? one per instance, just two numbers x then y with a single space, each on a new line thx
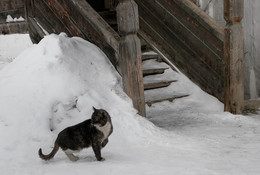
6 5
11 28
202 69
48 20
36 33
15 13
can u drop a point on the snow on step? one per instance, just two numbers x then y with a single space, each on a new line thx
158 84
147 72
163 97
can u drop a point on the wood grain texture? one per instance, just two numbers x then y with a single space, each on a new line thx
12 28
6 5
196 62
234 56
130 53
94 27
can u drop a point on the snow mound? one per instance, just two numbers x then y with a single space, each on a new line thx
54 85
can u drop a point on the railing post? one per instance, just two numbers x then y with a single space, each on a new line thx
234 56
130 60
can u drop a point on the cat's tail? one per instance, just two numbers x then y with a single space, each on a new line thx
51 155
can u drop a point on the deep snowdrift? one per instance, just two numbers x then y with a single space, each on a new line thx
54 84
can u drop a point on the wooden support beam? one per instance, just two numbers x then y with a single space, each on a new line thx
130 59
234 56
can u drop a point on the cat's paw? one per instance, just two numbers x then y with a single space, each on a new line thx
101 159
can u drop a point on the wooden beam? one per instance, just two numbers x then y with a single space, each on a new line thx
35 32
234 56
130 56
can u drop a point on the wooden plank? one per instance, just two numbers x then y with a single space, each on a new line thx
207 55
130 53
159 28
189 62
16 13
36 33
169 98
198 74
6 5
197 21
158 84
64 17
94 27
234 56
147 72
48 19
149 57
11 28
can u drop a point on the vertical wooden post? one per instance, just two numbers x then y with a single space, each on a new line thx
234 56
130 60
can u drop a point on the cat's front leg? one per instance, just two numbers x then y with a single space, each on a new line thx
97 150
104 143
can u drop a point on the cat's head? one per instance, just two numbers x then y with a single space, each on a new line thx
100 117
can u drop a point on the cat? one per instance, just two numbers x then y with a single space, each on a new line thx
93 132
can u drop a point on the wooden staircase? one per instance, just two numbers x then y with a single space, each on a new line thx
148 54
209 54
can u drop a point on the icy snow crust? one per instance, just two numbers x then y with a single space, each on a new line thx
54 85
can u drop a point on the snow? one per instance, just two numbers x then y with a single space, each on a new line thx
55 83
9 18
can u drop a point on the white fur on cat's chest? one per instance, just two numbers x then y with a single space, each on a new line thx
104 129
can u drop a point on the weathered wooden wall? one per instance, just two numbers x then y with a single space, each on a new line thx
191 39
15 8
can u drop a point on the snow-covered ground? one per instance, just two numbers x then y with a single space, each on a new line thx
41 86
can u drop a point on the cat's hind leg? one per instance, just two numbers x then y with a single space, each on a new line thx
70 155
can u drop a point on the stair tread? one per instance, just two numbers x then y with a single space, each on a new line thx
153 71
164 97
154 84
149 57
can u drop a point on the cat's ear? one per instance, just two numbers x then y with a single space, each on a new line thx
94 109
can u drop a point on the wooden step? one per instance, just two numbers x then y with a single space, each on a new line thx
157 84
149 57
147 72
171 98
